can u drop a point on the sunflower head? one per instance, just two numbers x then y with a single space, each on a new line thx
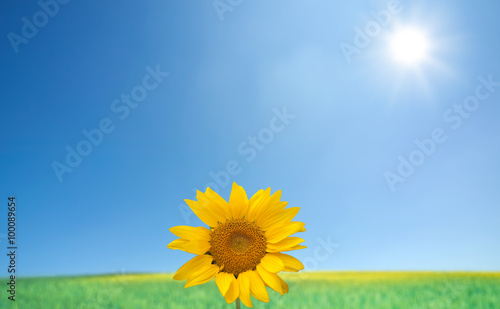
243 244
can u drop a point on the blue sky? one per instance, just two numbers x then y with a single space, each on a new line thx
324 130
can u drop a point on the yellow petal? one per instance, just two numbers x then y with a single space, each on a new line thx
282 231
256 196
216 204
257 287
271 279
279 216
244 284
270 206
233 292
193 266
297 247
191 233
284 245
217 199
204 213
224 281
205 275
272 263
177 244
284 285
194 246
274 203
257 203
238 202
291 263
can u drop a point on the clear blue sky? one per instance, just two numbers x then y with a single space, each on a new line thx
348 124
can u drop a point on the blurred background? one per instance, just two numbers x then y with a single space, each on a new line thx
378 118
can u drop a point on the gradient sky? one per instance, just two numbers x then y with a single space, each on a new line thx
227 81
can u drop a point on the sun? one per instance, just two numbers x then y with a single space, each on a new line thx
409 46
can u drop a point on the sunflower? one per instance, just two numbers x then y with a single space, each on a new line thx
243 244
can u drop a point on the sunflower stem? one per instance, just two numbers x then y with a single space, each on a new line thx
237 303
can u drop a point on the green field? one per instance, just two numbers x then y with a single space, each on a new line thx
307 290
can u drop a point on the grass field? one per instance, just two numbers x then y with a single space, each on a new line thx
307 290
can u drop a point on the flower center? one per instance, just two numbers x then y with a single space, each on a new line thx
238 245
